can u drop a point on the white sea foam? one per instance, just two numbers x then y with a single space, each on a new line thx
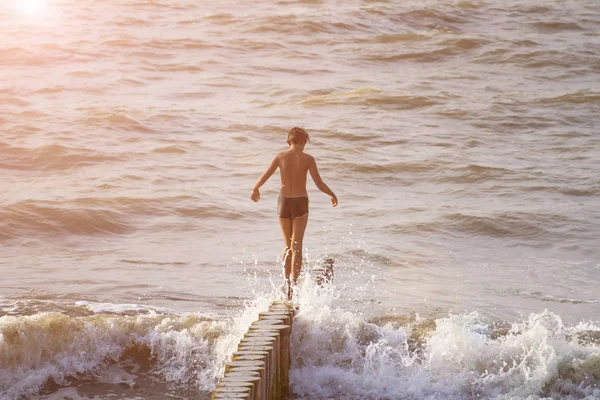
339 354
338 351
187 349
121 308
52 346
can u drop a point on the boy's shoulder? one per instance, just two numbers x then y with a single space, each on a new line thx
287 152
309 158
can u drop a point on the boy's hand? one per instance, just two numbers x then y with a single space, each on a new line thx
255 196
334 201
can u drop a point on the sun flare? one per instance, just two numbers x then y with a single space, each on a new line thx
30 6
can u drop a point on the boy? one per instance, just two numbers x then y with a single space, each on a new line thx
292 204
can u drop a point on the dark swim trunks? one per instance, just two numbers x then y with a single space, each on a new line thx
292 207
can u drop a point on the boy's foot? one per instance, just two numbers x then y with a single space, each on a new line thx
286 290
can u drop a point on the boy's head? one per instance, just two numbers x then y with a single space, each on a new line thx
297 136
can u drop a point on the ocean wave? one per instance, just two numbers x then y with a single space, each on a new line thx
390 168
38 55
424 56
192 21
168 67
160 44
574 191
355 137
461 44
246 44
556 26
11 55
443 17
84 74
53 347
12 99
474 173
169 150
293 25
526 8
371 96
579 97
71 304
521 225
193 95
50 157
565 101
517 225
49 350
116 121
397 37
553 299
130 81
129 21
342 355
30 218
221 18
537 58
160 6
51 90
94 215
336 352
440 18
36 303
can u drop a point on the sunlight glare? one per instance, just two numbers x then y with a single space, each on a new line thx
30 6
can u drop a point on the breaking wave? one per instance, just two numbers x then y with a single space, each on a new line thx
339 354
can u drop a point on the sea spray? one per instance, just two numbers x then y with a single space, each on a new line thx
339 349
52 347
341 354
237 327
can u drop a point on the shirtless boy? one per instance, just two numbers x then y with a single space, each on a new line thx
292 205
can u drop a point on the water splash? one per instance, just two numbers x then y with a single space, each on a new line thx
342 354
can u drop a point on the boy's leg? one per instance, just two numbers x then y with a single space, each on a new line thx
286 256
298 229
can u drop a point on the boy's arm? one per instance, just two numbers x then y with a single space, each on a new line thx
263 178
314 173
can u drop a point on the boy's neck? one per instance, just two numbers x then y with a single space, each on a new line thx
297 148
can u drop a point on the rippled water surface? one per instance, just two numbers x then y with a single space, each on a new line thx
461 138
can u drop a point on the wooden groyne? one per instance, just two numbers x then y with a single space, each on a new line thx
259 369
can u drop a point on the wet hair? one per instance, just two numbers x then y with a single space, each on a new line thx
298 136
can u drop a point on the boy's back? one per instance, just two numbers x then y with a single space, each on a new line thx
293 169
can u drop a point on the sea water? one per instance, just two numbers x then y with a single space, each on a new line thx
461 140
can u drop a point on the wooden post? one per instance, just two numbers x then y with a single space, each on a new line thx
259 370
284 345
286 319
245 391
274 377
229 395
